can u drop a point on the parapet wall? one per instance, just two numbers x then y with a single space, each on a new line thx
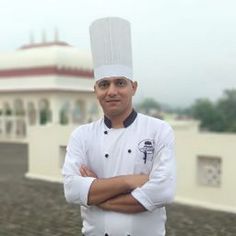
206 163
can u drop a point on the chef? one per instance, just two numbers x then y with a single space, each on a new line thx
121 168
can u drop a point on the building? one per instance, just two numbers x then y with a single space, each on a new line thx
45 87
45 83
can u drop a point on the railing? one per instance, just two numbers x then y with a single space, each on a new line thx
13 129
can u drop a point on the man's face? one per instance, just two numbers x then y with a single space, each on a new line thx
115 95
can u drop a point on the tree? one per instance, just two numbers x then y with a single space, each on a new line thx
219 117
227 106
148 105
205 111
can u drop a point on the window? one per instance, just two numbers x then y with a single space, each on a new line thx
7 109
31 113
209 171
65 113
79 112
93 112
44 112
19 108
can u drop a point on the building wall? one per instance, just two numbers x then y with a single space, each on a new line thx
210 184
206 168
46 151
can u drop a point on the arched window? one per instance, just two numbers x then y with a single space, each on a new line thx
93 111
19 108
79 112
1 120
7 112
44 112
19 112
64 113
31 113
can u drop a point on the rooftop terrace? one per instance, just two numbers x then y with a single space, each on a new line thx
36 208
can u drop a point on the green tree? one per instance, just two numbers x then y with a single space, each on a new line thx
148 104
219 117
210 117
227 106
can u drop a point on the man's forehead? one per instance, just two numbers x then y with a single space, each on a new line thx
112 79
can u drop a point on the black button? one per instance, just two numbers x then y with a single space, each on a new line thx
106 235
129 151
106 155
105 132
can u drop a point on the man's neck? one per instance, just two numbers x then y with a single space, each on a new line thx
118 121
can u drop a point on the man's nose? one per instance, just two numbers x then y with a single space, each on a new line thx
112 90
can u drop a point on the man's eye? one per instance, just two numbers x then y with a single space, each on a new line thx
103 84
121 83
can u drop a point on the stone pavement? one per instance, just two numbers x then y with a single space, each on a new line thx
37 208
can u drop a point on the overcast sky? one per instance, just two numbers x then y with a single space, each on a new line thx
182 49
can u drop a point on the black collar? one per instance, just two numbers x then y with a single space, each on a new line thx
127 122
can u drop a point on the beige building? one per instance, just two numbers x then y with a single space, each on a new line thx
45 83
42 86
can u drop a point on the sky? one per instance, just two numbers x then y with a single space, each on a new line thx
182 49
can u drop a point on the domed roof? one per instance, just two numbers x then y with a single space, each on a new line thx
57 54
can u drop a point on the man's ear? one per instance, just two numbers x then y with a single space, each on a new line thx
134 86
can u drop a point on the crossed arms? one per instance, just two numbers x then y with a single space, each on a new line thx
127 193
114 193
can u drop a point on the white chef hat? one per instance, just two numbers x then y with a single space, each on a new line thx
111 48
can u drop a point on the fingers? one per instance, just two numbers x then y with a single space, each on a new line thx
82 171
86 172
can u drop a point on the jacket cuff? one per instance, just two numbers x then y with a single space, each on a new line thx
77 189
143 199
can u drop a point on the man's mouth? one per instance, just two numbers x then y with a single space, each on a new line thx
110 101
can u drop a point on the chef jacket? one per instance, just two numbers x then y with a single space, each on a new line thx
144 146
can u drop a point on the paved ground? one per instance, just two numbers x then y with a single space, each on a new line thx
36 208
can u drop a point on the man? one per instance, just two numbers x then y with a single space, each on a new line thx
121 168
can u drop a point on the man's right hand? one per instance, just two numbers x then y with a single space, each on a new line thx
135 181
86 172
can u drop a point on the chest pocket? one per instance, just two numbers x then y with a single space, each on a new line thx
144 156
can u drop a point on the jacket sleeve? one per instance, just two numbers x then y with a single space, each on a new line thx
76 187
160 188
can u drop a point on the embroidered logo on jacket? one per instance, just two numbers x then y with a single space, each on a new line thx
146 146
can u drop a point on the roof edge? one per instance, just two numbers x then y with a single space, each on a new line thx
46 44
46 70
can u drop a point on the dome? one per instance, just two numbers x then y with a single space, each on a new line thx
57 54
